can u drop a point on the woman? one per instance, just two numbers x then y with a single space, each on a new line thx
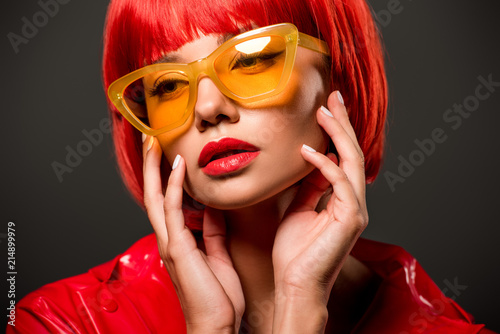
251 147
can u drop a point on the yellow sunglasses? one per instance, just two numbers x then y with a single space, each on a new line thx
249 67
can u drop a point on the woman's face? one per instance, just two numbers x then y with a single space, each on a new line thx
274 129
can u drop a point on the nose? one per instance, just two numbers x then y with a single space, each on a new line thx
212 107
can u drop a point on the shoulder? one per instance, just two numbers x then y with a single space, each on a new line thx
121 295
407 300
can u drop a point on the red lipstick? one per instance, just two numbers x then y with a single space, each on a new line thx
225 156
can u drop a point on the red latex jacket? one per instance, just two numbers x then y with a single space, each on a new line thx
133 294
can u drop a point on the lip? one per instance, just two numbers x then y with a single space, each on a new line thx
226 156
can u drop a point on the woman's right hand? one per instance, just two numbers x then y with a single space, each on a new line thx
207 285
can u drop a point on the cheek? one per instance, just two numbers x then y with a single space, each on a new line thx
309 94
176 141
290 117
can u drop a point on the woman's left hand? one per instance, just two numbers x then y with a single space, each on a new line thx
310 247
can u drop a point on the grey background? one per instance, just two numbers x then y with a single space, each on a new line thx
445 213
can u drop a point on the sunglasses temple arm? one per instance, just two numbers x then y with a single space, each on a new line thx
313 43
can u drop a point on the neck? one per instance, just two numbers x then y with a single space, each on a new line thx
250 238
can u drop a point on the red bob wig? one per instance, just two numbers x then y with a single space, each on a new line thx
139 32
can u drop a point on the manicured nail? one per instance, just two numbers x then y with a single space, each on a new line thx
176 161
309 148
339 96
143 137
326 111
150 144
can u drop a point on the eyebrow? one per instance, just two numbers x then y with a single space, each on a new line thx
172 58
224 38
167 59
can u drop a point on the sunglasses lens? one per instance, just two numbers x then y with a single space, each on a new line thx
252 67
158 99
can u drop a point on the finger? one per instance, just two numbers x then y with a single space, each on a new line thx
172 205
336 106
214 234
334 174
182 247
338 111
311 190
351 160
153 195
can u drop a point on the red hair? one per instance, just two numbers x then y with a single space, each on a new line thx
139 32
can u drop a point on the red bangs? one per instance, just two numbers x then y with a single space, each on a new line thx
142 31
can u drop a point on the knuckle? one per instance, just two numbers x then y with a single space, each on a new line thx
164 250
340 176
168 261
366 219
169 205
360 221
171 255
149 201
168 258
338 173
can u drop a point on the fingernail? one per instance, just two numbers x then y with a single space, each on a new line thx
309 148
339 96
326 111
176 161
150 144
143 137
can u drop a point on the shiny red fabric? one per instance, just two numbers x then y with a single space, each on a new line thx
134 294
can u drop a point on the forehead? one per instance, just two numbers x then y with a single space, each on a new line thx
196 49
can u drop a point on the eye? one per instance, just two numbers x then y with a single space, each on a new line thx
168 88
255 62
248 61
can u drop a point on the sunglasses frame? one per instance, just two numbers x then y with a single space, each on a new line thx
193 70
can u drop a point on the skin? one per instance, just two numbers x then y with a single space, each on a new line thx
269 257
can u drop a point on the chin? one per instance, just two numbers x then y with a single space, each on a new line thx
239 193
220 198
